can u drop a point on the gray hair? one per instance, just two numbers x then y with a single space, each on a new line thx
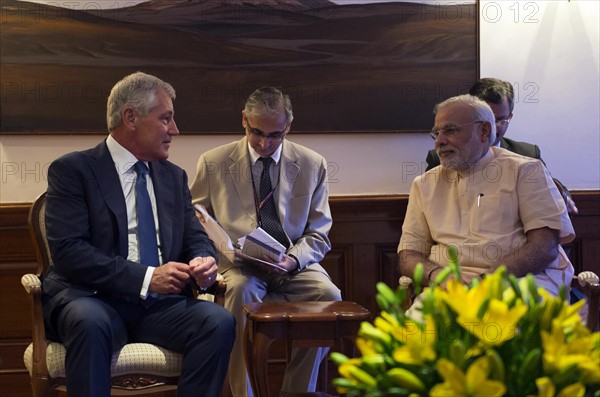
481 110
138 91
267 101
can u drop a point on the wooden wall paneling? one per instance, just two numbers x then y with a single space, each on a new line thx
367 273
586 247
337 262
590 255
15 323
15 244
14 383
588 202
16 258
371 225
388 264
15 329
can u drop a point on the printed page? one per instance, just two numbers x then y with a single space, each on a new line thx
260 244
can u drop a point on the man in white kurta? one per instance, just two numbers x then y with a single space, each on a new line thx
496 207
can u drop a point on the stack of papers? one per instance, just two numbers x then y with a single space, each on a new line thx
257 248
260 244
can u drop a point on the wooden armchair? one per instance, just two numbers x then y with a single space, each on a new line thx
137 369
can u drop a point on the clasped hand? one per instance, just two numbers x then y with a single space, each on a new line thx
172 277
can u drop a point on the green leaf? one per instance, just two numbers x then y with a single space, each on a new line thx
338 358
457 353
497 368
442 276
387 294
418 278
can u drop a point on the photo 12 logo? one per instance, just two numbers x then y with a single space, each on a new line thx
505 11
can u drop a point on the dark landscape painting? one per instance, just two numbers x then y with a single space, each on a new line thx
376 67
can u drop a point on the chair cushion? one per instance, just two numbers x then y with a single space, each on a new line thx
133 358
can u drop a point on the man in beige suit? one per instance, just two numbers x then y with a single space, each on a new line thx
231 185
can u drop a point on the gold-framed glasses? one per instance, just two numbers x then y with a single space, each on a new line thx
273 136
450 130
503 121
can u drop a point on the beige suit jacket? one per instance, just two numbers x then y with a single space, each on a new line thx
223 185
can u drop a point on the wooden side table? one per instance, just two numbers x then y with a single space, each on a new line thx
300 324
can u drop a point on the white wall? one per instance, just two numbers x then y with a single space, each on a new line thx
547 49
358 164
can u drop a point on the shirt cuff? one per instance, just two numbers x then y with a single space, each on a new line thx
146 284
297 263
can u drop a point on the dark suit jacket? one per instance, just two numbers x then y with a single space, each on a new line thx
86 223
522 148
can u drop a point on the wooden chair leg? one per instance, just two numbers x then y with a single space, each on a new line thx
39 387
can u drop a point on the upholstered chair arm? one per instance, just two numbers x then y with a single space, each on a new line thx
33 287
589 284
407 283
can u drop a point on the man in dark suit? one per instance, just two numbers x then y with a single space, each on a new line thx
499 95
110 284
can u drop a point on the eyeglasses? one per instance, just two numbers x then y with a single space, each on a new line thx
503 121
450 130
273 136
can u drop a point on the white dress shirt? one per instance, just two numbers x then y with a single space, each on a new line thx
124 162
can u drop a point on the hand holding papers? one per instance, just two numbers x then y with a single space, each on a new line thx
257 248
260 244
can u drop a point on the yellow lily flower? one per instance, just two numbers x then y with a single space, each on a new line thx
463 300
574 390
419 345
494 284
538 335
365 346
351 371
555 308
376 335
569 319
499 323
386 323
474 383
583 351
547 389
344 368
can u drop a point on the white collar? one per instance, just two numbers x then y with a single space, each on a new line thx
123 158
276 156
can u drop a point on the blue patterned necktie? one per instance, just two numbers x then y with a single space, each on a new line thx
147 243
268 214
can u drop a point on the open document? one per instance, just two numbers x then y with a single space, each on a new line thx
257 248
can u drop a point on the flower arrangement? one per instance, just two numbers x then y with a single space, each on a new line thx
496 337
